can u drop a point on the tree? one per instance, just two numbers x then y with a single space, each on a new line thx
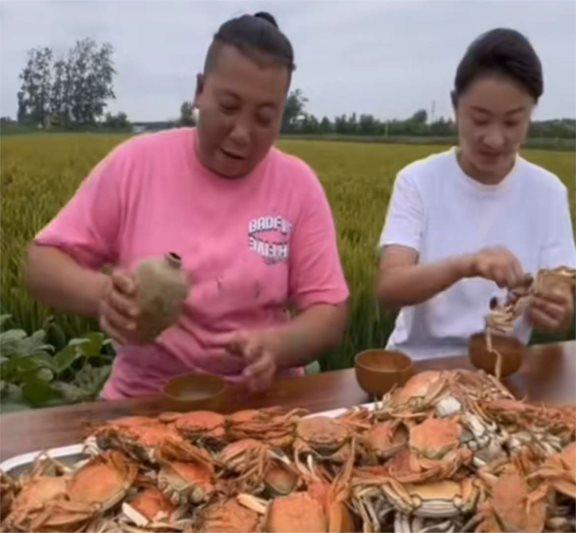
34 94
187 114
420 117
72 90
90 73
326 125
119 121
294 109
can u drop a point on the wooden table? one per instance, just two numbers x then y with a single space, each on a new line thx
547 374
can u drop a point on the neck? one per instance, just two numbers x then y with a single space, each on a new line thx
479 175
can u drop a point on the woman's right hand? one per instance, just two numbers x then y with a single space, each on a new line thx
119 309
497 264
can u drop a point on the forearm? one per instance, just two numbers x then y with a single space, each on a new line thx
405 285
310 334
55 279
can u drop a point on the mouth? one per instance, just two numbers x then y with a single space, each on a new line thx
491 155
232 155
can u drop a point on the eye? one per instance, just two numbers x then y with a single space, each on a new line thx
479 122
228 109
511 124
265 116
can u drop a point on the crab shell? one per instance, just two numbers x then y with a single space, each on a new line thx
150 505
512 505
32 499
186 473
228 515
559 471
199 425
434 437
324 435
103 481
384 439
419 392
296 512
138 437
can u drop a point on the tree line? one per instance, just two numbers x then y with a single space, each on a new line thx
72 91
68 91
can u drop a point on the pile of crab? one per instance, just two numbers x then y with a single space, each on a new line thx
449 451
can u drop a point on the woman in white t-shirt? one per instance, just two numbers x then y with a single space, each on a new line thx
465 225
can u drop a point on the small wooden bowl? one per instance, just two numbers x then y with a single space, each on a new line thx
511 348
377 371
196 391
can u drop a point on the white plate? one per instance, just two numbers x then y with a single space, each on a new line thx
75 452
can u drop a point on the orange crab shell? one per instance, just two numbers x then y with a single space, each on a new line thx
230 516
322 433
153 504
421 385
104 480
296 512
385 439
201 423
516 508
434 437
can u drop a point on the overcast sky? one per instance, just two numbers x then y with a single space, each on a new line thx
388 58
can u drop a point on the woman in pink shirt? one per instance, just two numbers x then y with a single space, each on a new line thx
251 224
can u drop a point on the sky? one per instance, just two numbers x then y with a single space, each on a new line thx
386 58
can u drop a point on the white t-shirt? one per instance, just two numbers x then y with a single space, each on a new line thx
439 211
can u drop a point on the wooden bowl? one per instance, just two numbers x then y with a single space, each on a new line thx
377 371
196 391
511 348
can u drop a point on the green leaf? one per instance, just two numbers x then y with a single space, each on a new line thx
3 319
56 335
15 342
65 357
35 344
10 342
38 393
18 369
45 374
91 344
92 379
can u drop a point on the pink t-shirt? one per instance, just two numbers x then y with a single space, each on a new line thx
250 247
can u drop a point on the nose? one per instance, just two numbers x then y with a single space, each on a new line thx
240 134
494 138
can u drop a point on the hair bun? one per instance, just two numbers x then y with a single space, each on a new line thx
268 17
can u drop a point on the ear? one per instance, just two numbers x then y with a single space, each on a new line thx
199 87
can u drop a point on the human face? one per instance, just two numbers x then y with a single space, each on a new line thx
240 105
493 115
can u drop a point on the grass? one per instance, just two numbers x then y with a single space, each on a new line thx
40 172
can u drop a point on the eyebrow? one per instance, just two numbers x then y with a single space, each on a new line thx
230 93
511 112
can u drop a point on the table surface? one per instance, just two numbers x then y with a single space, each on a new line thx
548 374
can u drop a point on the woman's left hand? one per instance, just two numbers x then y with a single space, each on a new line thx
552 312
261 356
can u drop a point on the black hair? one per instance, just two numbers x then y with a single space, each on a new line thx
256 36
500 51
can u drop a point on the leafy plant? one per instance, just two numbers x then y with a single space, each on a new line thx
34 374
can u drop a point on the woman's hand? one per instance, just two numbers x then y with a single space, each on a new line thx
261 355
552 312
119 309
497 264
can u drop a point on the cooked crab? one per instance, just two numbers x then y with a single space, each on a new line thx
186 473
